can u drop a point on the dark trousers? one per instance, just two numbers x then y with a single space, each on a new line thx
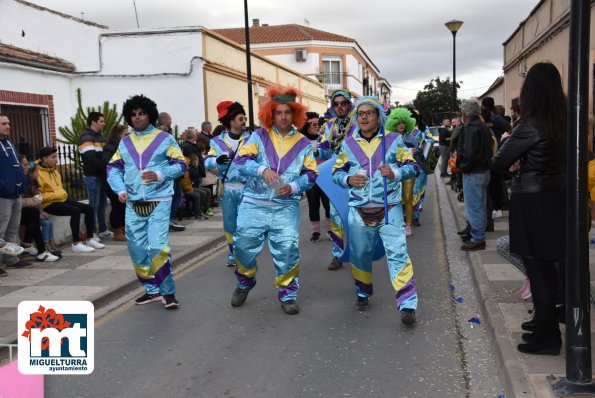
315 196
30 220
118 211
544 289
74 210
496 188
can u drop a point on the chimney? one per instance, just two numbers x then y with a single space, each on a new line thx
255 22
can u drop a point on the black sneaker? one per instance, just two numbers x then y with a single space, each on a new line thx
239 296
169 302
147 298
175 227
3 273
362 303
19 264
290 307
231 262
315 237
408 316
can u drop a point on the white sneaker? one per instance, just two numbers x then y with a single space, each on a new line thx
96 238
30 250
81 248
106 234
11 249
496 213
47 257
408 231
94 244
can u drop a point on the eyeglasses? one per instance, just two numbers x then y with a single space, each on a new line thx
341 103
241 119
141 113
368 113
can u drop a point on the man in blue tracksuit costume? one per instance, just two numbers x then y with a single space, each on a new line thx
278 163
340 127
142 172
361 165
223 150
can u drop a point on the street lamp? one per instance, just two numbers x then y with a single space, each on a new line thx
454 26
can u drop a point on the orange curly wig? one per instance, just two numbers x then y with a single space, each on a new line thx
267 110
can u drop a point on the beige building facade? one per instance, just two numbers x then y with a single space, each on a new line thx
542 36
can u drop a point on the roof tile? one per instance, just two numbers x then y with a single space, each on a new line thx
280 33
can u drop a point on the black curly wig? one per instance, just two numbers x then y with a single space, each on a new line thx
140 102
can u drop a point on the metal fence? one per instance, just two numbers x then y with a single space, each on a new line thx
70 167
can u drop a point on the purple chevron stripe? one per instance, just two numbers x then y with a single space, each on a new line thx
182 164
406 292
364 287
160 275
324 145
293 154
310 173
222 145
118 164
358 152
150 150
269 148
244 280
336 239
377 158
350 131
131 149
292 288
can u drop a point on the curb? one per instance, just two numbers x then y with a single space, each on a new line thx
511 370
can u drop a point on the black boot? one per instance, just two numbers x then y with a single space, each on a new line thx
529 326
466 231
546 340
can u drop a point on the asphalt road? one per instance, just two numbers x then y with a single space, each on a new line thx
209 349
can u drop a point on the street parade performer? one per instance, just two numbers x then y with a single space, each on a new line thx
141 172
279 165
372 166
401 122
336 130
224 149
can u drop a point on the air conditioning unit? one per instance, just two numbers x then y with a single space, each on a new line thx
301 55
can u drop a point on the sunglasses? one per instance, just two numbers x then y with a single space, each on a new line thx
341 103
141 113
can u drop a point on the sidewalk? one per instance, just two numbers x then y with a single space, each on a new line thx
498 284
100 276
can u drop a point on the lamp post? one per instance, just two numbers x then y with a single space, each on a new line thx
248 68
454 27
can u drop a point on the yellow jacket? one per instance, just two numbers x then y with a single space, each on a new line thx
185 182
50 186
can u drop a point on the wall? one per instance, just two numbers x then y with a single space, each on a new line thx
74 41
225 77
22 79
542 37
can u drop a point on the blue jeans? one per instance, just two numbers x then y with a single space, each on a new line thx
47 230
97 200
474 191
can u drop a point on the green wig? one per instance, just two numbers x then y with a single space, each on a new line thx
397 116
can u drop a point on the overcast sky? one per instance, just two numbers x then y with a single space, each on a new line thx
407 40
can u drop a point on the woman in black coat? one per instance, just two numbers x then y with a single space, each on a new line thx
535 155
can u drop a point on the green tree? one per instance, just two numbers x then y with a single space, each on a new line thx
71 134
435 101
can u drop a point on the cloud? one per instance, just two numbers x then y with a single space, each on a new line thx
407 41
